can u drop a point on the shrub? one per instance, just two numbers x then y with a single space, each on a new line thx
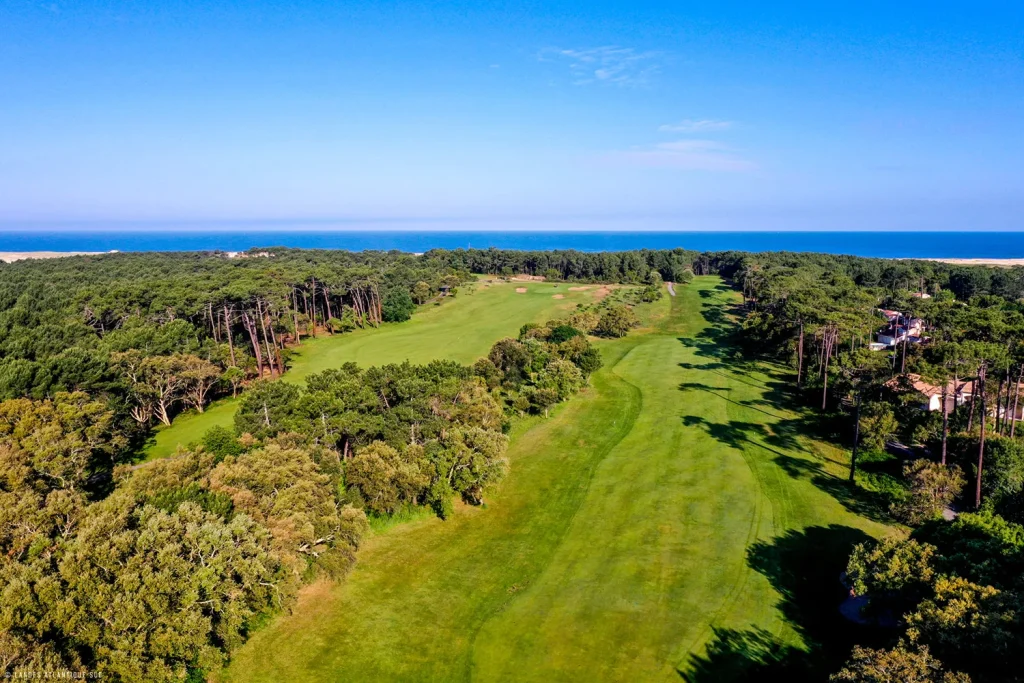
563 333
385 477
616 321
901 664
397 306
221 442
584 321
682 276
891 565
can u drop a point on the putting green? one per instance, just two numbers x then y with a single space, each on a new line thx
662 524
461 328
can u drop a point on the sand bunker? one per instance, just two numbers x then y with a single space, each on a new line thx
520 290
558 296
579 289
602 292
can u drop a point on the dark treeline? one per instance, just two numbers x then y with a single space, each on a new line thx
677 265
946 601
628 267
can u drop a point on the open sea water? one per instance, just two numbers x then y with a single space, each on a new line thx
877 244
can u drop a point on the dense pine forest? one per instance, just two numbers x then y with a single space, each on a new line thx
159 570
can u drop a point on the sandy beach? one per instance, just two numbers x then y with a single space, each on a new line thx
997 262
11 256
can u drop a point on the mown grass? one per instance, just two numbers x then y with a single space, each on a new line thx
189 427
675 520
460 328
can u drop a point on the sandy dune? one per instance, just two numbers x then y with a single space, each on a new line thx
12 256
1000 262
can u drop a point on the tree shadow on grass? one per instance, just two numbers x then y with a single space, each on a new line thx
804 566
752 655
779 437
719 393
719 344
738 434
871 504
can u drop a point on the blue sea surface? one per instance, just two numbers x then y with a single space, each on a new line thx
878 244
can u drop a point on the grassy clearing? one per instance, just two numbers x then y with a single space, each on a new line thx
675 520
461 328
189 427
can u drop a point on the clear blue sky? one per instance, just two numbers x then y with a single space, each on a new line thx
710 115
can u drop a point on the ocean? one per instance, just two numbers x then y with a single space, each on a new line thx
877 244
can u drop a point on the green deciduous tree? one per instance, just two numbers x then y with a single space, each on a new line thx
877 424
902 664
200 377
398 306
932 488
421 292
151 594
968 623
561 376
386 477
284 490
891 565
617 321
266 408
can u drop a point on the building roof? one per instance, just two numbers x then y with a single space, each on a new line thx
929 390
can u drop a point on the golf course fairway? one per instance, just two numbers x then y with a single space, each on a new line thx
460 328
675 521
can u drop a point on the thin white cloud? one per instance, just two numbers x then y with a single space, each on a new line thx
689 155
695 126
609 65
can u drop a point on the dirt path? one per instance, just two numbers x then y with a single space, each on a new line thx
671 288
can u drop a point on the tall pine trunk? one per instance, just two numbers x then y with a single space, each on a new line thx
277 348
981 441
999 403
254 339
1016 396
227 333
312 309
824 387
1007 417
800 357
295 316
957 394
945 418
974 397
266 339
856 440
327 301
305 305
